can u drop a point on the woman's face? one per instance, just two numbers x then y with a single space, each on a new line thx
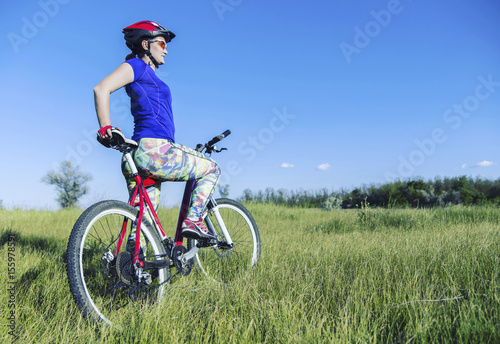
158 49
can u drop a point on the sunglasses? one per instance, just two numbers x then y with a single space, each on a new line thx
161 43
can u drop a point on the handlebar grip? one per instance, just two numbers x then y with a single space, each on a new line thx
218 138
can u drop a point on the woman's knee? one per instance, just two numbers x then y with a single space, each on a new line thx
216 169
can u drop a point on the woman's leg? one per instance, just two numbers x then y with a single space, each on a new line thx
163 160
154 195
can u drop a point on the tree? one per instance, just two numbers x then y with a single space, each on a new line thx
224 190
70 183
247 196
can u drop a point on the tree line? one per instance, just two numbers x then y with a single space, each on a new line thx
410 193
70 183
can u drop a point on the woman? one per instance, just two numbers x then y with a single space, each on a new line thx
158 156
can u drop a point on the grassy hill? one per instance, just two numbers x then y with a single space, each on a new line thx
371 275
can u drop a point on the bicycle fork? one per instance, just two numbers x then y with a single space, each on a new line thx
186 256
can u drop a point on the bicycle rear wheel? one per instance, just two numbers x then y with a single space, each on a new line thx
223 264
101 281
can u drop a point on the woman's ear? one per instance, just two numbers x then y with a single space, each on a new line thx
145 44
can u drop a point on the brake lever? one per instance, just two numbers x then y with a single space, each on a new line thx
199 147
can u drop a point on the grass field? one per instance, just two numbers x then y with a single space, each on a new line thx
366 276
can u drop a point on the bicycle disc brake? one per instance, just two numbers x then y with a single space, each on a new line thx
183 266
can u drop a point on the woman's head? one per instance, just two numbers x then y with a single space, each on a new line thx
147 38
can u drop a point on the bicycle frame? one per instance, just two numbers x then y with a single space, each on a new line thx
144 199
122 144
140 190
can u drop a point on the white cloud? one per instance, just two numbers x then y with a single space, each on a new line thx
323 167
484 163
287 165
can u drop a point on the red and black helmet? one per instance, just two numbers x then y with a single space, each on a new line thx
144 30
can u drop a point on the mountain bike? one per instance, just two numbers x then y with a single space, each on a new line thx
117 257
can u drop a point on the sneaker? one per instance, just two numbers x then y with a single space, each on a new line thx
195 229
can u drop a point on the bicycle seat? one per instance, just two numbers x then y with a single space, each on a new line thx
118 141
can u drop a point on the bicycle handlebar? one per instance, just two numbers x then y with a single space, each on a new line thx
219 138
209 146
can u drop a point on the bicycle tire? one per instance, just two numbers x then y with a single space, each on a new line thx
97 285
226 266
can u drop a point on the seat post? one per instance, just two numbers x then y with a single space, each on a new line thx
131 164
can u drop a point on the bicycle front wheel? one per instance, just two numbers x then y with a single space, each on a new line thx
225 264
101 281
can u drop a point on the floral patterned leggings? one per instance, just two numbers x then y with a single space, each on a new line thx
163 160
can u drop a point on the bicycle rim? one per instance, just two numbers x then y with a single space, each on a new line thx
227 265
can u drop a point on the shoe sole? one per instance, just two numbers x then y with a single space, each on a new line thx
192 234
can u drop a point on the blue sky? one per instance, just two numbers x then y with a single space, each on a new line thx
318 94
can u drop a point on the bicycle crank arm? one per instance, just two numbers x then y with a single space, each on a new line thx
189 254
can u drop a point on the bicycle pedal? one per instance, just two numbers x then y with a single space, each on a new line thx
206 243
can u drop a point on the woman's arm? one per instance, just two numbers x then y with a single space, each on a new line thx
120 77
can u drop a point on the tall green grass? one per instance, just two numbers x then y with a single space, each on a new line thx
366 276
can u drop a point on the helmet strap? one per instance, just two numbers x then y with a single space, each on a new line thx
148 52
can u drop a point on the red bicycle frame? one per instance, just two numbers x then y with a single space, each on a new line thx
140 190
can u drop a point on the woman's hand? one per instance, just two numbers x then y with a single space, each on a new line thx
105 132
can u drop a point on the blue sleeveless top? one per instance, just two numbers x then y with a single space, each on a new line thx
150 103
